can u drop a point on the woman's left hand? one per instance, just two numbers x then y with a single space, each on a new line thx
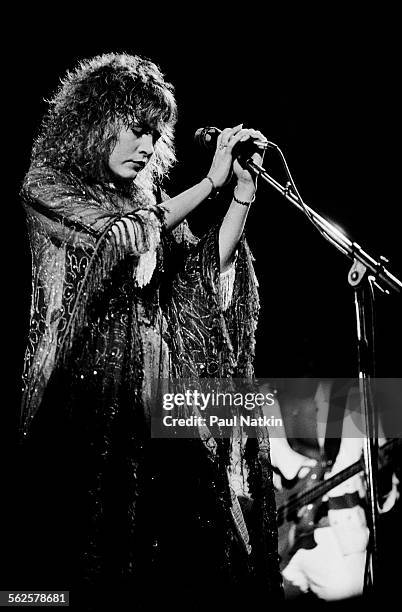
244 177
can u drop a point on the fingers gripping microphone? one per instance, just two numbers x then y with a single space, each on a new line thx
206 137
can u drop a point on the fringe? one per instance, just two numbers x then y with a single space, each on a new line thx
227 280
147 262
137 234
242 313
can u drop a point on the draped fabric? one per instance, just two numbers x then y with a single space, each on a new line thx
117 303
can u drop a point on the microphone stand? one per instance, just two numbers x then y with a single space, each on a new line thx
365 273
335 236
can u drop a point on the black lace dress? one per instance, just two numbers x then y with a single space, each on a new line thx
117 304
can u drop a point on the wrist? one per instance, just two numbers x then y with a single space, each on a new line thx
244 197
212 183
245 191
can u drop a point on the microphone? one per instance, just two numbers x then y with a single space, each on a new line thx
206 137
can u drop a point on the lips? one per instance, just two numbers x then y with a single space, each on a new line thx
138 163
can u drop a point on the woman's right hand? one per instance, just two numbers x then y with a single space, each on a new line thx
222 162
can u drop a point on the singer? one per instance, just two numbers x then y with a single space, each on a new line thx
123 294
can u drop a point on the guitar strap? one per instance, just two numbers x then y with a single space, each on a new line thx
336 412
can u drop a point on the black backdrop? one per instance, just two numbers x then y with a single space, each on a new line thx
326 96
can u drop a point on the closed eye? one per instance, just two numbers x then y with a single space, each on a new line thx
136 130
139 131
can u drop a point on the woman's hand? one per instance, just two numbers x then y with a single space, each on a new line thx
234 221
222 162
244 177
177 208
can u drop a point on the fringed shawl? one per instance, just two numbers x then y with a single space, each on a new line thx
118 302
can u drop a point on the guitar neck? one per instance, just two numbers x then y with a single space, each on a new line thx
301 499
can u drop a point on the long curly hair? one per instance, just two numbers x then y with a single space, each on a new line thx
93 102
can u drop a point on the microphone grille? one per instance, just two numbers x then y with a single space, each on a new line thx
206 136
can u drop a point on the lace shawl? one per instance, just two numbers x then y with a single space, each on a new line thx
116 303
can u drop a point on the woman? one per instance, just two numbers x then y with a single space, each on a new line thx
123 296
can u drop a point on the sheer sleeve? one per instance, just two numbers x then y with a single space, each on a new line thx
213 317
70 214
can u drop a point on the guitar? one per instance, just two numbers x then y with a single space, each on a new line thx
301 500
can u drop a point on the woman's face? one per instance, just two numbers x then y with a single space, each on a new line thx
133 150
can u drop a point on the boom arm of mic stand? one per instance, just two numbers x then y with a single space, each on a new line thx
332 233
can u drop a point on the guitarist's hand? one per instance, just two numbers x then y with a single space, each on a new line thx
289 462
350 451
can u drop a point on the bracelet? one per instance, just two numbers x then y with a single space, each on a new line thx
242 202
214 190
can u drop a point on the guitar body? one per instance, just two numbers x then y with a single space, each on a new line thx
299 501
296 526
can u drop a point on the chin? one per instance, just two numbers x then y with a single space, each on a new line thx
126 175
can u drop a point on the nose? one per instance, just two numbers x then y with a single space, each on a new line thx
146 144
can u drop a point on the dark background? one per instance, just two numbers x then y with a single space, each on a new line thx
326 95
323 87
